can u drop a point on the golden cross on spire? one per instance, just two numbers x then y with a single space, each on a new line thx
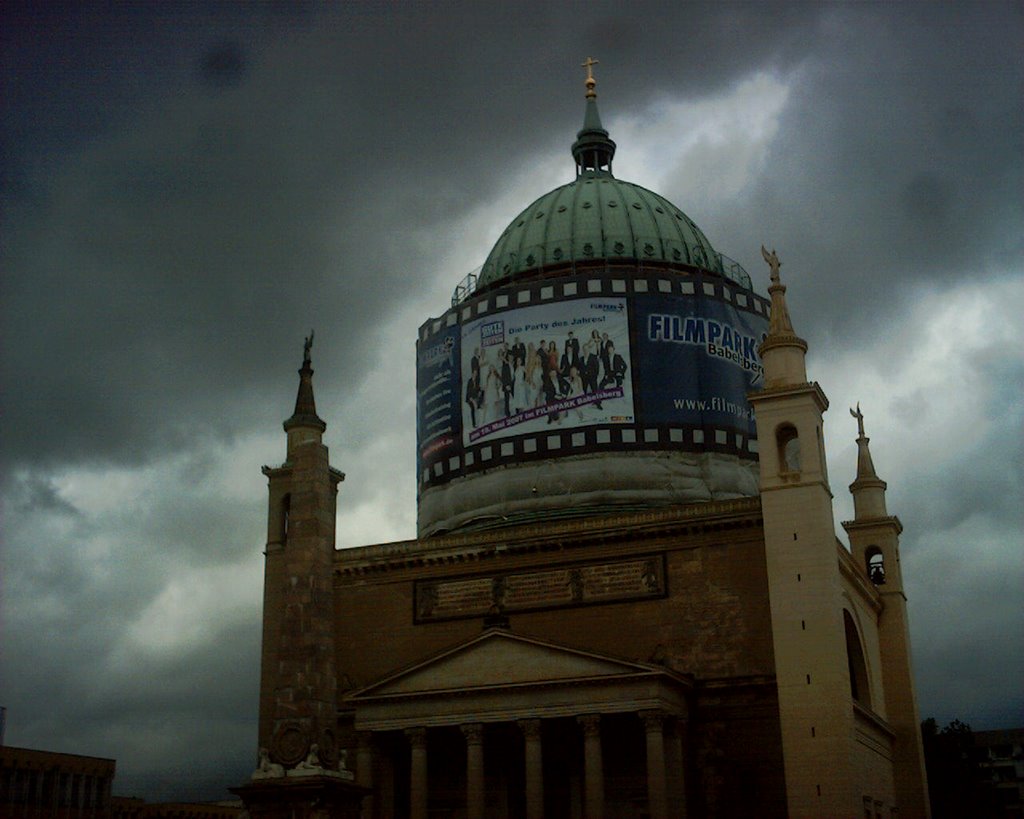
591 83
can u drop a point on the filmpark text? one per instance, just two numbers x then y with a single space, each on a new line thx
546 409
721 340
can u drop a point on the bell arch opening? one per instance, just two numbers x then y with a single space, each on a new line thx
787 441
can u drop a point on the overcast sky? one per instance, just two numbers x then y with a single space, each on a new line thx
187 189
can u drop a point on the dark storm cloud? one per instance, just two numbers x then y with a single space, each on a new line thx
223 65
162 264
898 161
188 189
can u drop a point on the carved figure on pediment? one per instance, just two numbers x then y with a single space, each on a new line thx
267 769
312 760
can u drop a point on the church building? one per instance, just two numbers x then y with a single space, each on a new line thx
626 597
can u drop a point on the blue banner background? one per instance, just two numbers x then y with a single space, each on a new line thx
679 380
438 402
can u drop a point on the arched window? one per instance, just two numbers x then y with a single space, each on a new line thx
860 689
875 565
788 443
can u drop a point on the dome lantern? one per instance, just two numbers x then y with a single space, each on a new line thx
593 150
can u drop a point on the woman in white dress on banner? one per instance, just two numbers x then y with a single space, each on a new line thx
576 389
519 389
495 399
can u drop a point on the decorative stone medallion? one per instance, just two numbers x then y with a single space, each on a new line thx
290 743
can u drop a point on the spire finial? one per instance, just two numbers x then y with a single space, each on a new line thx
591 83
868 489
305 405
860 421
306 347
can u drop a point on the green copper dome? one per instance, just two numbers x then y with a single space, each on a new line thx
597 217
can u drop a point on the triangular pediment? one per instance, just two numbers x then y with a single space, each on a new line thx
498 658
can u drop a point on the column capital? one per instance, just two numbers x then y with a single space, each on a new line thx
473 732
677 724
591 724
654 720
417 737
530 728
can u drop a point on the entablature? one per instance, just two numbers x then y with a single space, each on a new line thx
692 519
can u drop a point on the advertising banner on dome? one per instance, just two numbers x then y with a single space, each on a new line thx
438 424
540 367
697 360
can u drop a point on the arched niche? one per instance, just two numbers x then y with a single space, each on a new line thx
860 687
787 442
284 518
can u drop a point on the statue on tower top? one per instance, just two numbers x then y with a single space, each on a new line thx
773 262
306 347
860 420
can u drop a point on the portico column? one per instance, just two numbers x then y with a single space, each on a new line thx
657 792
534 768
418 777
675 762
593 767
364 771
474 734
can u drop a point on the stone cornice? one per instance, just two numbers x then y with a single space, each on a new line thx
887 522
776 340
699 518
789 391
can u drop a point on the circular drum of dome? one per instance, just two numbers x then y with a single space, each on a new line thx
578 388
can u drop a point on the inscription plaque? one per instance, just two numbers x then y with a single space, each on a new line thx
570 585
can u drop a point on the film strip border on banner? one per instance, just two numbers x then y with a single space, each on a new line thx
589 439
609 285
